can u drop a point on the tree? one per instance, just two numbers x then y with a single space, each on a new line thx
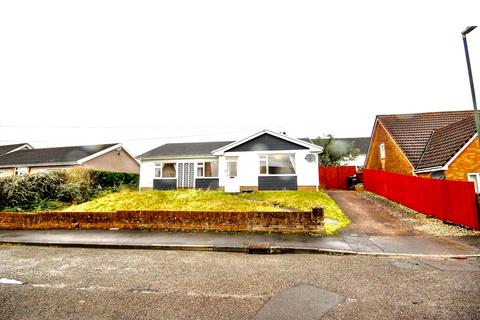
335 151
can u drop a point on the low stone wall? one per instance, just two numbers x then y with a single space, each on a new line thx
283 222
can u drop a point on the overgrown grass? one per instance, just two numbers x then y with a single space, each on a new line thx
184 200
304 201
200 200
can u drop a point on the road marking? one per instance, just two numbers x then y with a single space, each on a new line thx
9 281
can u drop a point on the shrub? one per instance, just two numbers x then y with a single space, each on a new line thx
52 190
114 180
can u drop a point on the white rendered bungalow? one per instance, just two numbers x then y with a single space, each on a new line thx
266 160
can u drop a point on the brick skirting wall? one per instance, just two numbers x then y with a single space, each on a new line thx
282 222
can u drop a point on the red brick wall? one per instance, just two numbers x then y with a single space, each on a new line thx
467 162
283 222
395 161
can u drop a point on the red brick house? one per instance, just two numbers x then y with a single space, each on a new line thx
441 145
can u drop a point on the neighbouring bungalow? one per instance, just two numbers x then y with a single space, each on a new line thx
439 145
110 157
266 160
4 149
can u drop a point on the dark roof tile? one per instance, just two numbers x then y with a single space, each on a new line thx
51 155
184 149
415 132
7 148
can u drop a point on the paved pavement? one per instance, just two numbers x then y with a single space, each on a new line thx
79 283
241 242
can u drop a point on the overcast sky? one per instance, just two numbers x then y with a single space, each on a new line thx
147 72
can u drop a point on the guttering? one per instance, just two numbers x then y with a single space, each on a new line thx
437 168
209 156
49 164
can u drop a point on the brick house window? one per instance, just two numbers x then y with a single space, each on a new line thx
475 178
382 151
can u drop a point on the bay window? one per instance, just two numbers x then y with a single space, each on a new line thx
277 164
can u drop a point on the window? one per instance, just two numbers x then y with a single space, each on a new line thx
475 178
382 151
263 164
21 170
207 169
232 169
277 164
200 169
166 170
2 173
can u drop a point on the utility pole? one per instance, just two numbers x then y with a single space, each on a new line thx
472 87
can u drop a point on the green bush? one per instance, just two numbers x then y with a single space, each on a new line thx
107 179
52 190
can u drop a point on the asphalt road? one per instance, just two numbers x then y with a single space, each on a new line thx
73 283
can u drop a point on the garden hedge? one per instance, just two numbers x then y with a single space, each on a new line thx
52 190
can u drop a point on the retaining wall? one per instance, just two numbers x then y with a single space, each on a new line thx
283 222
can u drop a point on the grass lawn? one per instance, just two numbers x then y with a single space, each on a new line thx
194 200
304 201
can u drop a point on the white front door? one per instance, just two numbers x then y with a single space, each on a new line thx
186 175
232 184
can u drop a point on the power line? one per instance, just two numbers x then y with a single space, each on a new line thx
135 139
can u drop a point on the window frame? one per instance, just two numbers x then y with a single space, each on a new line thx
229 176
160 165
476 180
382 151
265 158
201 164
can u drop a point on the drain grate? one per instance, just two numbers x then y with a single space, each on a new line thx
258 248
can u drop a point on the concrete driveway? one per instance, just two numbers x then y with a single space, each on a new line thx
369 218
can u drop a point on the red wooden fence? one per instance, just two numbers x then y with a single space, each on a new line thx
452 201
335 177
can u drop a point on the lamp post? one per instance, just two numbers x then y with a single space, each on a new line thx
472 88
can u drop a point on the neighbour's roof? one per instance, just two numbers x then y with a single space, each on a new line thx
10 147
361 143
430 139
184 149
46 156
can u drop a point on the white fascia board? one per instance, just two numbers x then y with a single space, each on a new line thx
98 154
129 153
21 147
367 156
425 170
310 146
459 152
178 158
445 167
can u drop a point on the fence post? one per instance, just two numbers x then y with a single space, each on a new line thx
317 212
